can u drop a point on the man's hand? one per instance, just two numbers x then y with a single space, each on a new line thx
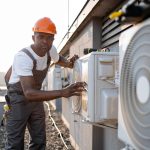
67 63
72 60
74 89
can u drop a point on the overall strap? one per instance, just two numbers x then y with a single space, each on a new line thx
31 56
48 59
34 60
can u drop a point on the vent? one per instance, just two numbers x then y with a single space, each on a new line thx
135 87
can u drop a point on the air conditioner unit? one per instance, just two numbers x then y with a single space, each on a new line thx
65 76
134 89
54 78
100 102
55 83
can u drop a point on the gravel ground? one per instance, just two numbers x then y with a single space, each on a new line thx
54 141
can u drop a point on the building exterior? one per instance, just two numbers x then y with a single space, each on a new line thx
92 29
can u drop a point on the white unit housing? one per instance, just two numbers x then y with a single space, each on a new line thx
54 78
55 83
100 102
134 88
65 76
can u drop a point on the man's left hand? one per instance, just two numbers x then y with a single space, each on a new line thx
72 61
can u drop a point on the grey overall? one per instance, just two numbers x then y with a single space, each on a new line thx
25 113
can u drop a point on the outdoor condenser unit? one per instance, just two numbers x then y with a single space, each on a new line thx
54 78
55 83
134 89
100 102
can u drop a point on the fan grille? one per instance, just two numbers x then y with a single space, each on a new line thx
136 65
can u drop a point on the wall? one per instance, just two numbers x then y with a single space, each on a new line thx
98 137
98 33
106 138
81 132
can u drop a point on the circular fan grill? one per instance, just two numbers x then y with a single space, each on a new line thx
135 88
76 100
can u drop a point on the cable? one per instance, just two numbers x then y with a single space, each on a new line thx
50 116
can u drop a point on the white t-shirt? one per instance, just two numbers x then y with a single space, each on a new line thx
23 64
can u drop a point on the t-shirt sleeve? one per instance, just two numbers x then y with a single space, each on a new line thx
23 64
53 54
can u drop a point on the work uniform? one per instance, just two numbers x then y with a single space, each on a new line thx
23 112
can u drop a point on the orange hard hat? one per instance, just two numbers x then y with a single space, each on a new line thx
45 25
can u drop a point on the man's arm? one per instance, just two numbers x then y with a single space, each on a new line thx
7 76
67 62
32 94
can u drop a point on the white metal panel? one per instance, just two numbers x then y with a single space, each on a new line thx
97 69
125 44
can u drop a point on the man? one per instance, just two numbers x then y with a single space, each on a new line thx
24 80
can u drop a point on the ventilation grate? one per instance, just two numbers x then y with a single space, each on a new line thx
134 88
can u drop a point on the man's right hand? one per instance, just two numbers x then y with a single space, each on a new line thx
33 94
74 89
